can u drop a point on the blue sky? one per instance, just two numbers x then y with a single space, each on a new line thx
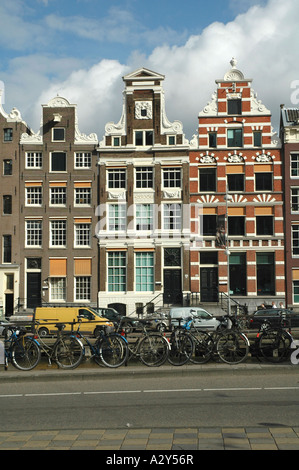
82 48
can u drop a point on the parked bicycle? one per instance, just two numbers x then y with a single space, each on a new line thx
21 350
273 343
150 348
110 348
182 343
67 350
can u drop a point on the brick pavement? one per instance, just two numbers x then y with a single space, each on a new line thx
155 439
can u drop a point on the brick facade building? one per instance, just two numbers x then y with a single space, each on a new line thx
236 152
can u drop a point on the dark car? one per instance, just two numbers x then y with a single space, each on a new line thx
115 317
273 315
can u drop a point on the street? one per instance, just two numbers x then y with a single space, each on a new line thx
233 398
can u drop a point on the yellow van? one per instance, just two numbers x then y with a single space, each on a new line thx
90 321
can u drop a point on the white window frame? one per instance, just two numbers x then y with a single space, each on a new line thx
34 160
82 232
35 233
36 196
83 160
56 290
58 233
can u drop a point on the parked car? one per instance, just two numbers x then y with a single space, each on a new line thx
273 315
202 319
3 325
160 322
115 317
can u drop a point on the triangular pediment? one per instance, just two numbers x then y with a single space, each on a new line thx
143 74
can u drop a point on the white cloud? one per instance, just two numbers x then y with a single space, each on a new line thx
264 40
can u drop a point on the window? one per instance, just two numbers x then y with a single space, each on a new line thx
144 138
296 291
7 204
236 225
117 271
235 182
295 164
213 139
7 167
144 177
171 140
295 240
117 217
207 179
33 196
58 134
172 257
82 160
257 139
263 181
6 248
33 231
172 216
83 196
264 225
58 288
265 274
209 225
58 233
295 199
235 138
237 274
144 216
209 257
116 141
171 177
144 271
116 178
82 235
82 287
8 134
34 160
58 196
234 106
58 161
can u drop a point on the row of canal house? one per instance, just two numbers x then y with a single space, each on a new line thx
145 218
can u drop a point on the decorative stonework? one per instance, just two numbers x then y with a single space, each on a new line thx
143 110
208 199
264 198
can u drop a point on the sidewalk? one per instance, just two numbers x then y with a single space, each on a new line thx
156 439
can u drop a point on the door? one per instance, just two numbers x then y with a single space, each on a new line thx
9 298
209 284
33 290
173 286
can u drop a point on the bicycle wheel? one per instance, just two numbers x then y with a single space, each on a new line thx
203 348
68 352
274 345
153 350
25 353
112 351
181 348
232 347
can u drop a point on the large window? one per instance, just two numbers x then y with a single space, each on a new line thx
58 196
82 234
8 134
295 199
83 160
33 233
116 178
117 214
144 216
237 274
264 225
235 182
58 161
58 289
144 177
117 271
7 204
83 196
234 106
236 225
6 255
263 181
265 274
171 177
207 179
295 164
295 240
34 160
209 225
34 196
144 138
58 233
172 219
235 138
82 288
144 271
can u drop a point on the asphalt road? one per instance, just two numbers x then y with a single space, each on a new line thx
235 398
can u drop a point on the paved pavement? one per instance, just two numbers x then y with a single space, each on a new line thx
172 439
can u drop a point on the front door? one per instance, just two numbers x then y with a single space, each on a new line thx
209 284
173 286
33 290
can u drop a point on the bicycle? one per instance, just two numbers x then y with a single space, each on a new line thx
110 348
150 348
67 350
21 350
182 344
273 343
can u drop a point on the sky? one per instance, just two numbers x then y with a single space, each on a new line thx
81 49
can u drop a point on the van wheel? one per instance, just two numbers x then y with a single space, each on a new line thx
43 332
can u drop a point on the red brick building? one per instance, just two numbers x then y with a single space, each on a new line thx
236 151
